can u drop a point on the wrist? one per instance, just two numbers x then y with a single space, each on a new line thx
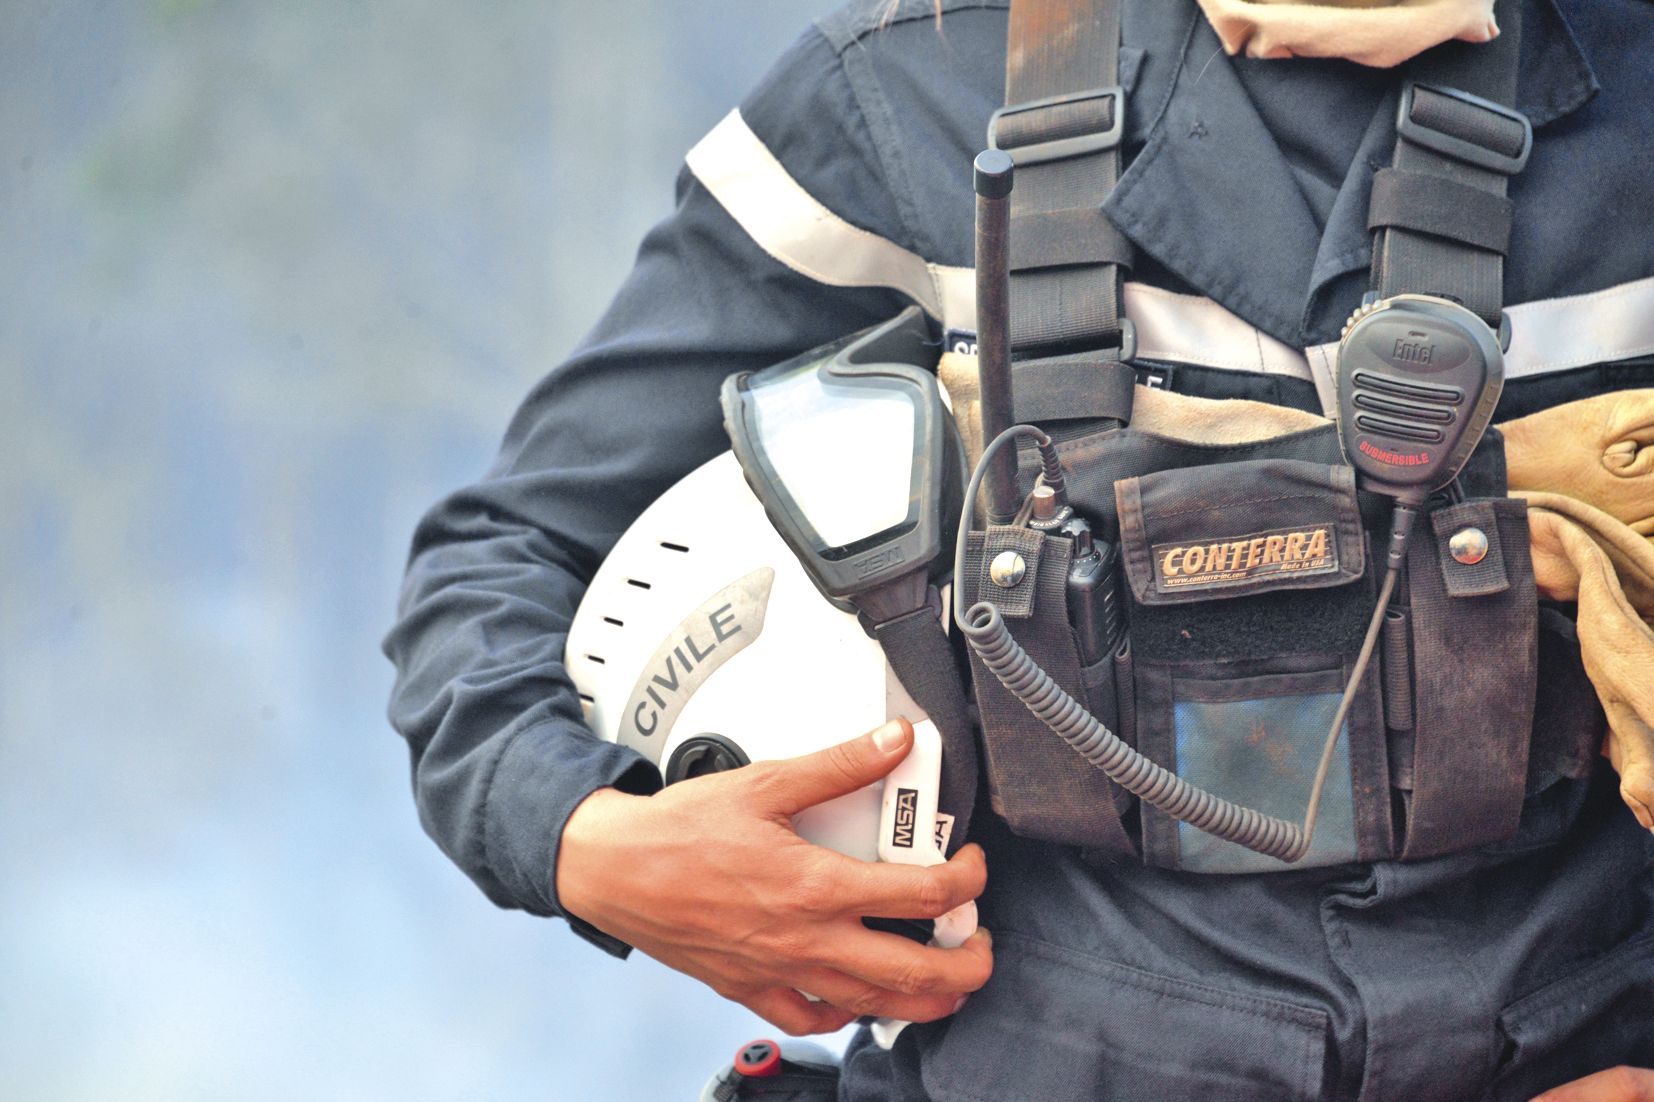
583 858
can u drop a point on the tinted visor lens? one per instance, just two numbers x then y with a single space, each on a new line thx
841 449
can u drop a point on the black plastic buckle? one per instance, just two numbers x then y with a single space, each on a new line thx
1058 149
1458 148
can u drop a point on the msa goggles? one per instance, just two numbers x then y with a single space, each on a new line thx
856 462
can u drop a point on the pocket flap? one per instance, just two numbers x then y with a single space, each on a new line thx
1198 533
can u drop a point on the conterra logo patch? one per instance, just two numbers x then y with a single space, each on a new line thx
1233 561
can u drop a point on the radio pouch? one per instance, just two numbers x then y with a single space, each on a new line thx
1249 576
1249 594
1036 782
1475 651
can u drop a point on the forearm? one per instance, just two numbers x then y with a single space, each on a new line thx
500 754
499 751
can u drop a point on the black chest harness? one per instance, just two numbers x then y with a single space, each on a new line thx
1225 650
1229 657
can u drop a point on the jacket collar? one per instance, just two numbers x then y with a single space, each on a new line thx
1211 196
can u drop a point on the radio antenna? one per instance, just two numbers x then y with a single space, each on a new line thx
992 176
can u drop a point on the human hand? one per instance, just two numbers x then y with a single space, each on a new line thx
708 877
1614 1085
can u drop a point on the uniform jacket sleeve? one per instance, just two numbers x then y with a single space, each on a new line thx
500 756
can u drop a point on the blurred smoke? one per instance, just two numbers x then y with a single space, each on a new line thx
272 278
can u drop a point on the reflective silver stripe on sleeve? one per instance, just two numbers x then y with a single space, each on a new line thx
795 228
792 226
1189 329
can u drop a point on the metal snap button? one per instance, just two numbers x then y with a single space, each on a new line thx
1468 545
1007 569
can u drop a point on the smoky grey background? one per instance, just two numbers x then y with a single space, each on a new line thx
273 277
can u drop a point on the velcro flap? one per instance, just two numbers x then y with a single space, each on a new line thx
1232 529
1433 204
1054 238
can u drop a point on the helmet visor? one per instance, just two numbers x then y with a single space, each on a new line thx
842 449
844 445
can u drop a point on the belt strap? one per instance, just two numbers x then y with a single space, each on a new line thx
1064 115
1442 220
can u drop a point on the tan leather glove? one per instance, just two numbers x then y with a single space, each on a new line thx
1587 470
1582 554
1599 450
1380 33
1168 415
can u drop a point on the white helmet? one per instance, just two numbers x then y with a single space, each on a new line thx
703 644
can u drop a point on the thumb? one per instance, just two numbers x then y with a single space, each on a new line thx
839 770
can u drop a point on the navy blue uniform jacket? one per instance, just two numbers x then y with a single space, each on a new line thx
837 194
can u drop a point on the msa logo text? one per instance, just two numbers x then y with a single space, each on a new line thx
907 814
877 561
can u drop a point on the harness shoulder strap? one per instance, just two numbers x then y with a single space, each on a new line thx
1439 211
1062 125
1442 223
